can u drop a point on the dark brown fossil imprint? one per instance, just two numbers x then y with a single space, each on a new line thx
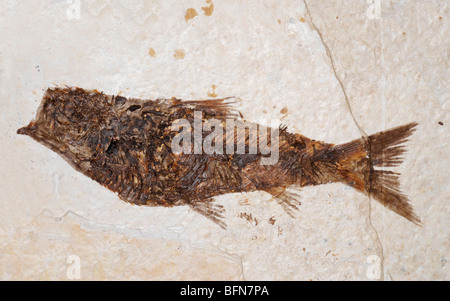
125 145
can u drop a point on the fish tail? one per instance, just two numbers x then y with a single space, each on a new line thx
362 164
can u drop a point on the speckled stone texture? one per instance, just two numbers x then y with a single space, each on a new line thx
330 70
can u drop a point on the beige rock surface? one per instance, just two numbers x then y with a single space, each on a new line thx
393 62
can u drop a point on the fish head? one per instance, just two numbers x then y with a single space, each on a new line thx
72 122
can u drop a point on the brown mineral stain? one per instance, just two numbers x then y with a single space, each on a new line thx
213 94
284 111
272 220
279 21
191 13
179 54
245 202
302 19
208 10
151 52
78 234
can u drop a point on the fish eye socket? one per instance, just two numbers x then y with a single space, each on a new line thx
134 108
112 148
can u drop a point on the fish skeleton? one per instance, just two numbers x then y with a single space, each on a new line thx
126 145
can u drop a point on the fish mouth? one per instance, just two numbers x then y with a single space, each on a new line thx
35 132
28 130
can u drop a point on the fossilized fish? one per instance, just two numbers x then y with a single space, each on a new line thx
126 145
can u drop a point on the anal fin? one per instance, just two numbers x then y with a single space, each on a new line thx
210 210
288 200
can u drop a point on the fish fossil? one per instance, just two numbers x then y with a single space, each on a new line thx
126 145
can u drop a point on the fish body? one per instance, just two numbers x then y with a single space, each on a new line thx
127 145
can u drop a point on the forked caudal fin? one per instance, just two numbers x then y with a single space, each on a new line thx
362 164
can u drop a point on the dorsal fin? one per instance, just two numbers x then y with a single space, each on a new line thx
221 108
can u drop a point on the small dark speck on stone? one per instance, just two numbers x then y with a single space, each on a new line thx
441 123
